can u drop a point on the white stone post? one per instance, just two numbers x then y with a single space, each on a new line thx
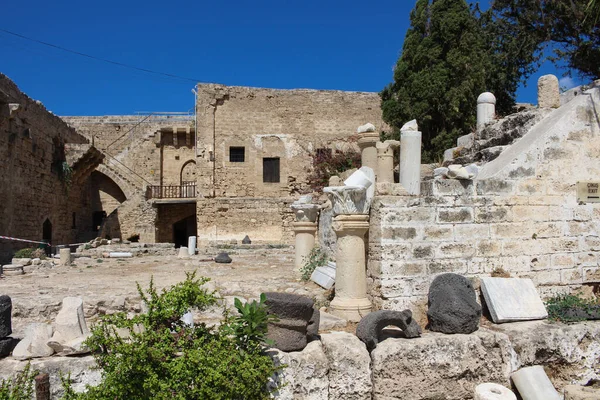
548 92
410 158
385 160
65 256
192 245
367 139
486 109
305 240
350 302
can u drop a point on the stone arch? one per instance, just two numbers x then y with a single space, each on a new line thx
188 172
127 189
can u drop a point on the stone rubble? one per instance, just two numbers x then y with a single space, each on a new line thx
34 344
70 328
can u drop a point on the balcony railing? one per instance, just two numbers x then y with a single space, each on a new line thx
185 191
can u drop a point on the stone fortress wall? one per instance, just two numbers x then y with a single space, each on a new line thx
520 214
31 191
267 123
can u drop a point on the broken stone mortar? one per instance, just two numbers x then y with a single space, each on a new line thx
297 320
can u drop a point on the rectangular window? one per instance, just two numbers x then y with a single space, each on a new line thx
271 170
237 154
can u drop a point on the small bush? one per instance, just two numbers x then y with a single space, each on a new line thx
163 358
24 253
19 388
326 163
316 258
571 308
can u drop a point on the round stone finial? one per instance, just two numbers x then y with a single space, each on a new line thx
486 97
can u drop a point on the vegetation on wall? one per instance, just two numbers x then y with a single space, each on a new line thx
163 358
572 308
316 258
326 163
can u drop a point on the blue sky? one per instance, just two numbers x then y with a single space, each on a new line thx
345 45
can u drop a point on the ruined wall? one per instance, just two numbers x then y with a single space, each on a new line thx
521 214
31 190
262 219
287 124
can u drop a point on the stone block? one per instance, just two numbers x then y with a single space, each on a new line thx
12 270
329 322
7 344
453 306
459 215
533 384
512 299
294 313
548 92
5 316
34 345
21 261
324 277
70 328
574 392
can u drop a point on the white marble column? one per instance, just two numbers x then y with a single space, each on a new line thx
385 160
410 157
350 302
486 109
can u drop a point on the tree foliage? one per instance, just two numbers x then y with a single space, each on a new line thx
569 29
441 71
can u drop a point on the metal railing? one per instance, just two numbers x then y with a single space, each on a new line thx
171 192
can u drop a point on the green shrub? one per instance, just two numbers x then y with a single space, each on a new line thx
316 258
164 359
570 308
30 252
251 325
19 388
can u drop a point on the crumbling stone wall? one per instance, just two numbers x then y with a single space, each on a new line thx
31 190
521 215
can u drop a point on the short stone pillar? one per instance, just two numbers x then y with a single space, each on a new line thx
548 92
410 158
305 228
486 109
65 256
385 160
367 139
350 302
192 245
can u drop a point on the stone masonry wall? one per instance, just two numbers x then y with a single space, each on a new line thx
30 191
288 124
521 216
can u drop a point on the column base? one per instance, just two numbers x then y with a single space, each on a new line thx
352 310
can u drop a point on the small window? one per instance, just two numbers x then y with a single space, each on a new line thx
237 154
271 170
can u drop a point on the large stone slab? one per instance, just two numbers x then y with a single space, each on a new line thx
512 299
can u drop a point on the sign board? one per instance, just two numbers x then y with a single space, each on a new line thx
588 192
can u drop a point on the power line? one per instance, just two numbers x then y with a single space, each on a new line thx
99 58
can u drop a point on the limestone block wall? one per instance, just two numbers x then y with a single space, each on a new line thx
521 215
31 191
262 219
169 214
287 124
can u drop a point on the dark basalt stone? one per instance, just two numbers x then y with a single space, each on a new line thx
246 240
453 306
5 316
7 345
296 320
223 258
370 328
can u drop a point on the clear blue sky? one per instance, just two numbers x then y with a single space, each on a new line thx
345 45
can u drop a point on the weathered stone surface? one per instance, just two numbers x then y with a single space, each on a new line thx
21 261
183 252
349 366
493 391
313 325
34 343
223 258
328 322
453 307
7 345
11 270
305 375
437 366
512 299
548 92
5 316
573 392
370 328
70 328
294 313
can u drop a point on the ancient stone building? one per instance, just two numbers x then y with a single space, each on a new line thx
237 177
45 192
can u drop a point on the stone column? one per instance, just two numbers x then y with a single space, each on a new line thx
410 158
385 160
548 92
65 256
350 300
305 240
486 109
367 139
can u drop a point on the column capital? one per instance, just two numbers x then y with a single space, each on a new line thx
304 227
367 139
357 224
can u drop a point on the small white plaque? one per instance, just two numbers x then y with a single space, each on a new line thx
588 192
512 299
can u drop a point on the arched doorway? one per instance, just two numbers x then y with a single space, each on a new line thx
183 229
187 176
47 234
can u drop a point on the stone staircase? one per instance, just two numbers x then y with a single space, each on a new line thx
489 142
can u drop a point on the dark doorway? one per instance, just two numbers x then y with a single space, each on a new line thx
183 229
47 234
271 169
98 218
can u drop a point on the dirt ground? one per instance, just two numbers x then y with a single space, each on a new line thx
108 285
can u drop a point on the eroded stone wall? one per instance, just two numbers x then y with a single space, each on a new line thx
31 190
522 216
